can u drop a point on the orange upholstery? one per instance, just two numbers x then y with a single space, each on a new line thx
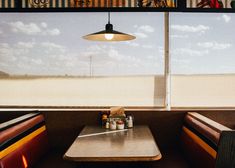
200 138
23 144
20 128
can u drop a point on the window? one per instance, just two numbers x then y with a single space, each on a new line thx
45 62
202 60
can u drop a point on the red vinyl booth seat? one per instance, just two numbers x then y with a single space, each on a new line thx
200 140
21 145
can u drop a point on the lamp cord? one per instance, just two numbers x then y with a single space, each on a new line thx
109 17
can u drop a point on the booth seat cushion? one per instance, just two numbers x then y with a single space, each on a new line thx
200 138
20 128
23 144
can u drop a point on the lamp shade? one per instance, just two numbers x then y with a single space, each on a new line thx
109 34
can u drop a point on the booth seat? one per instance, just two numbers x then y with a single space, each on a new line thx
185 140
207 143
23 141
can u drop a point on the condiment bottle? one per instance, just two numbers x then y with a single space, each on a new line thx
130 122
104 120
113 125
107 125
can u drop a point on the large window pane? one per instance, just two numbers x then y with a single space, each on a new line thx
202 59
44 60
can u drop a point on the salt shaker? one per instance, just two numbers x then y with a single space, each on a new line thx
130 122
107 125
112 125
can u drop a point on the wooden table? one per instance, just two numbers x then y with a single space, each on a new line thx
98 144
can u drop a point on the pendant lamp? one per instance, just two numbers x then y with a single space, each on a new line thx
109 34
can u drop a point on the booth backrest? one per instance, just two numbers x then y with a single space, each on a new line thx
200 140
22 141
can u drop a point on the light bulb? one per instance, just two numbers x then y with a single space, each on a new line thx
108 36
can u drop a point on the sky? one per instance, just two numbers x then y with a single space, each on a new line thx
52 44
202 43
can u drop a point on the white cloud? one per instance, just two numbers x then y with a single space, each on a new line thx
225 18
1 32
106 53
94 50
190 29
53 47
132 44
70 64
135 44
214 45
179 36
189 52
29 29
180 61
44 25
143 31
145 28
4 45
37 61
25 44
28 54
15 50
27 57
147 46
114 54
53 32
7 53
33 29
4 49
140 35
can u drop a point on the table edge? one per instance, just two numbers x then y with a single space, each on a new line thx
113 159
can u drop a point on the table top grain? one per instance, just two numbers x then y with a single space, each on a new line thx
98 144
